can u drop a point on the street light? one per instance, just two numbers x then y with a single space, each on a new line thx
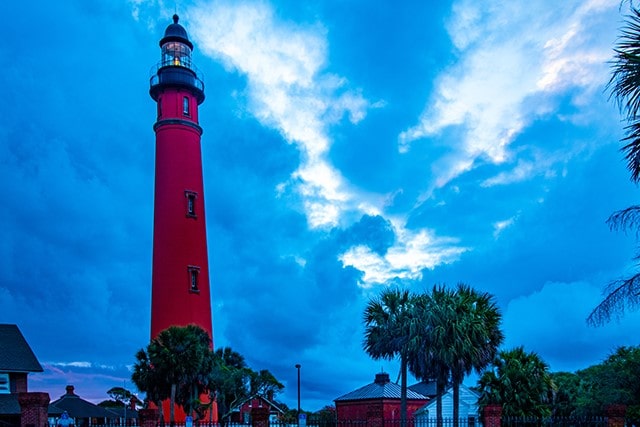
298 368
124 392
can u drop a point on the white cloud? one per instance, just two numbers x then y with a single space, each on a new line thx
514 60
72 364
288 90
500 226
412 252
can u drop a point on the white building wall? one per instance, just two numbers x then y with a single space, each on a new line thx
426 415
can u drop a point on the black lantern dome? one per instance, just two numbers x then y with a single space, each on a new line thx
176 33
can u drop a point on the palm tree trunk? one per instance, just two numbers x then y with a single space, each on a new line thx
403 391
456 402
440 386
172 418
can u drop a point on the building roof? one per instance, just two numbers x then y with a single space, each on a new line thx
425 388
274 407
80 408
9 404
119 412
15 353
54 411
381 388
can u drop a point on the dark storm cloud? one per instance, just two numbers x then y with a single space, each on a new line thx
76 177
76 234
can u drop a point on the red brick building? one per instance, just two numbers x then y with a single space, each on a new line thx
377 401
16 362
245 412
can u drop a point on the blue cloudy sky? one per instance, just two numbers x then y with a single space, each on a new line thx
346 145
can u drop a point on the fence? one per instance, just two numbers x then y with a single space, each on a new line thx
554 422
424 422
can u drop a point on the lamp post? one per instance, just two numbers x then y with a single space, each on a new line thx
124 392
298 368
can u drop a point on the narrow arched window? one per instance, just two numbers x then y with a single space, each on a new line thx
190 197
194 272
185 105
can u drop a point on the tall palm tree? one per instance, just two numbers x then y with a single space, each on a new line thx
429 345
459 332
388 323
175 360
148 378
475 336
625 90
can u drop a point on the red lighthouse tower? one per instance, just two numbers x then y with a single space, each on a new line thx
180 276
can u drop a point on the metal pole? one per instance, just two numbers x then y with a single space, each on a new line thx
124 390
298 368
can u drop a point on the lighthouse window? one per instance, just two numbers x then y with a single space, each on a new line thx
185 105
176 54
191 203
194 271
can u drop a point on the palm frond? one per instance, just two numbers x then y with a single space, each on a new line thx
624 87
625 219
621 295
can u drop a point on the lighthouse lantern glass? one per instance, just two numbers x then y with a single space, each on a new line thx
176 53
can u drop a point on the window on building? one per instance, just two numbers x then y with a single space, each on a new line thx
194 272
185 105
159 107
190 197
4 384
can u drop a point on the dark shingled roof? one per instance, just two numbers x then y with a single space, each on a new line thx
15 353
426 388
80 408
54 411
382 387
119 412
9 404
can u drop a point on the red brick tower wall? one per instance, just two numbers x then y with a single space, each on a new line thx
180 273
179 229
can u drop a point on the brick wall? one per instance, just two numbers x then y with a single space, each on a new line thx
492 415
33 408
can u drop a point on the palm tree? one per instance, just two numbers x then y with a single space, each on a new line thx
625 87
520 382
459 332
388 324
176 360
625 90
474 337
428 356
149 379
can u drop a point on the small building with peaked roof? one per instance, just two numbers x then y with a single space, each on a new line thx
376 402
83 412
243 412
17 360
